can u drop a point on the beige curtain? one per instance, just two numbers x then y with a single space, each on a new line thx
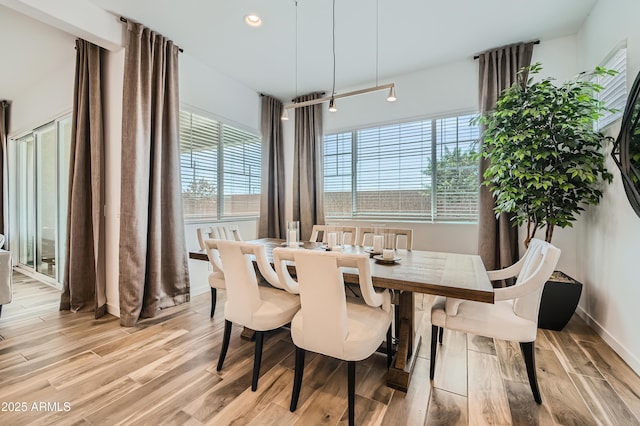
84 286
498 238
272 222
153 255
308 167
4 131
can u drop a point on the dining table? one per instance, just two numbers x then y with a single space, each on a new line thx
461 276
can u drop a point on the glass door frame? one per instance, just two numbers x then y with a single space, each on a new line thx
61 129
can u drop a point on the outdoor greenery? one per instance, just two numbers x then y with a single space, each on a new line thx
456 171
547 161
200 188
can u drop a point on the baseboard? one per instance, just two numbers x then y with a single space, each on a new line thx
628 357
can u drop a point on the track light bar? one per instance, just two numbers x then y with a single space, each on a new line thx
390 86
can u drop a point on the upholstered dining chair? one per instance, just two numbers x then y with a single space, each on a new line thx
259 308
329 325
514 316
216 277
219 232
349 233
366 235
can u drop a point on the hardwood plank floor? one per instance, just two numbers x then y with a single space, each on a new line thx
69 368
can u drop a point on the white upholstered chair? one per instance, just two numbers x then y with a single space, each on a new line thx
327 323
217 233
216 277
259 308
514 316
365 235
349 233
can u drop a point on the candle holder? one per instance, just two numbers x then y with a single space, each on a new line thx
293 233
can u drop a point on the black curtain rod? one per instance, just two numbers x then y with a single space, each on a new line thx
535 42
125 20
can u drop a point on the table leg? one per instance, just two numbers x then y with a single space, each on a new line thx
248 334
408 345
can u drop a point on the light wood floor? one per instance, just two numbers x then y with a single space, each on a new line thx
163 371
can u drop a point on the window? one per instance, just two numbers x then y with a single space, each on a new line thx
220 168
424 170
614 92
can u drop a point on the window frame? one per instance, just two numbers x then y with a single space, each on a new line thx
219 215
435 142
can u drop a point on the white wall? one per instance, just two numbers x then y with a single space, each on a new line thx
608 239
113 67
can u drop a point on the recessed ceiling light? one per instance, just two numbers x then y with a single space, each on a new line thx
253 20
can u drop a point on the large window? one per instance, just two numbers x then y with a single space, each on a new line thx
220 167
422 170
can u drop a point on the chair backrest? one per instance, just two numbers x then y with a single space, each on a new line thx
349 233
243 297
365 236
219 232
538 263
211 247
322 294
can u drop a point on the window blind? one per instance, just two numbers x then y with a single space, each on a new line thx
421 169
241 177
220 169
614 92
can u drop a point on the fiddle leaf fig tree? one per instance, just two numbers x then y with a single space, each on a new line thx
546 159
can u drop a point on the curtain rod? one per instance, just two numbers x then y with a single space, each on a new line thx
535 42
125 20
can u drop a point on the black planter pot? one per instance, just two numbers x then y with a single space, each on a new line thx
560 299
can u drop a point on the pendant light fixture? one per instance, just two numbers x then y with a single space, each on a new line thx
285 113
391 97
332 102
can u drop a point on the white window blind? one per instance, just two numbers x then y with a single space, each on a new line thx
614 92
422 170
220 169
241 165
338 198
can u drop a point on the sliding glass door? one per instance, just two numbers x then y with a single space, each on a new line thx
42 170
26 192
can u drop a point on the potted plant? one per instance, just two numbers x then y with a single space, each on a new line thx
547 160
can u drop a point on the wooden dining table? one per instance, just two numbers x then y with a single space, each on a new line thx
461 276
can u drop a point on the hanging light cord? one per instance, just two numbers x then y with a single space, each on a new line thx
333 25
296 53
377 31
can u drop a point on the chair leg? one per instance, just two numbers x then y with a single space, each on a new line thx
297 378
389 348
214 298
351 373
528 352
257 360
225 343
440 334
434 344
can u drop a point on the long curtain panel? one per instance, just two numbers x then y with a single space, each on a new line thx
498 238
153 256
308 167
84 283
4 131
272 222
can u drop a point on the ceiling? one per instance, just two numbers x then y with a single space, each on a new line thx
373 40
